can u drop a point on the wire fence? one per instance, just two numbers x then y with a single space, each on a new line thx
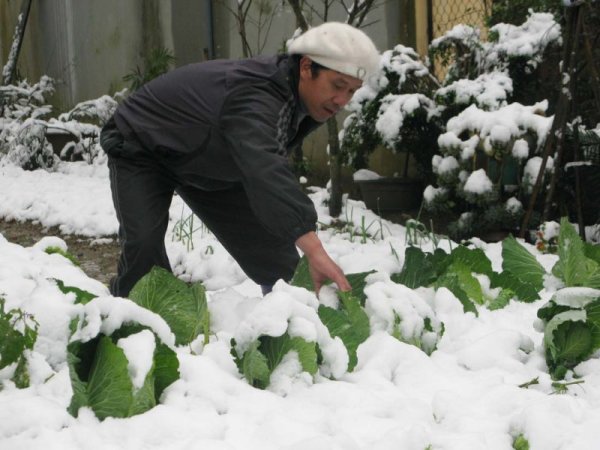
445 14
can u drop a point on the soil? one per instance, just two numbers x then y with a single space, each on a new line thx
97 259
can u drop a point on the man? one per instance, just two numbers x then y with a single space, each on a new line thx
219 133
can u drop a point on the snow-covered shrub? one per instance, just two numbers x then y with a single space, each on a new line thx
23 100
518 51
394 109
491 147
24 129
516 11
482 146
84 123
478 149
26 145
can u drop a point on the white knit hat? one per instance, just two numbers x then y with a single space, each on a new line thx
340 47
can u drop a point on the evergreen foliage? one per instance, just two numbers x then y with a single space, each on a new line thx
157 62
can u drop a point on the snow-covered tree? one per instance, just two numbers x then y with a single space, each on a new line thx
395 109
490 150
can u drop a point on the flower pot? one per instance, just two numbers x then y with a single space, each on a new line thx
391 194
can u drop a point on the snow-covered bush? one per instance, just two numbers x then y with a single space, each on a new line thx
26 145
491 147
84 123
482 146
23 100
394 109
25 131
22 132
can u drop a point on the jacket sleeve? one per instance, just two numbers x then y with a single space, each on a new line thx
249 123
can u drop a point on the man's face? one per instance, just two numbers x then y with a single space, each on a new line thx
327 93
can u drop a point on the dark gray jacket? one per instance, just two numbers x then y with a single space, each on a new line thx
231 122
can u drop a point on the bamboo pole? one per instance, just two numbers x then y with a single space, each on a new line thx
558 127
569 107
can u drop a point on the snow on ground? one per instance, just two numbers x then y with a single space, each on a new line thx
464 396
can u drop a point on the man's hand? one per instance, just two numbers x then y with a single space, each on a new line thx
321 266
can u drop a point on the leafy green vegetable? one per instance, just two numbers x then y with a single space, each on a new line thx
100 378
183 307
302 278
593 320
551 309
592 251
573 266
501 300
275 349
571 328
467 281
521 264
474 259
13 341
522 274
420 268
452 271
350 323
358 283
81 296
109 389
507 281
264 355
60 251
252 364
568 340
166 368
521 443
452 282
427 340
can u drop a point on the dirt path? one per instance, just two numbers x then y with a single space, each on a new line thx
98 260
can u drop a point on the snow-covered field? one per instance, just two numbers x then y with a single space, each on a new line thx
465 395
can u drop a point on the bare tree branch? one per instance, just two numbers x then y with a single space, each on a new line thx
300 19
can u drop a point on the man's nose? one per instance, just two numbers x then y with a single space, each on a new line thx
342 99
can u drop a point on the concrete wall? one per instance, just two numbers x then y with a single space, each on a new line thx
87 46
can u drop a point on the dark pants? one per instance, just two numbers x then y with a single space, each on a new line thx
142 188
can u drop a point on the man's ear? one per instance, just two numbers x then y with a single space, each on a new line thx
305 67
